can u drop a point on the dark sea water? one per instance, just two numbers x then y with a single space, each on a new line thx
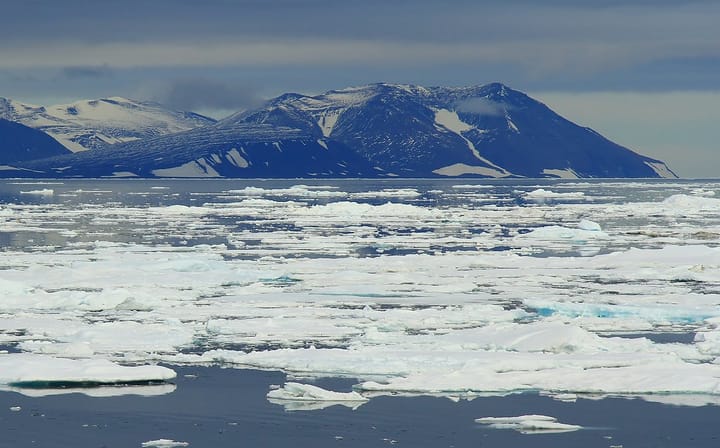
216 408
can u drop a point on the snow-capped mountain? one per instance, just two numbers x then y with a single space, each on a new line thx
375 131
241 150
19 143
488 130
97 123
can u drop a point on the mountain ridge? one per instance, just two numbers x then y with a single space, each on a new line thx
93 124
477 126
377 130
20 143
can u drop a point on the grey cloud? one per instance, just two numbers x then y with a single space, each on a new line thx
556 43
202 93
418 20
100 71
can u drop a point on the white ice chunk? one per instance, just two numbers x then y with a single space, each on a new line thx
113 390
24 368
581 235
528 424
592 226
43 192
682 203
541 194
163 443
306 392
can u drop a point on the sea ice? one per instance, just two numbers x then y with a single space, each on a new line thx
292 391
586 224
42 192
445 299
103 391
163 443
528 424
19 369
541 194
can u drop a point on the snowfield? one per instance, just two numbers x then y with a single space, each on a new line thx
457 291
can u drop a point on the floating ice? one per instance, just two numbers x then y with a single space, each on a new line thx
586 224
547 235
528 424
679 203
388 193
23 369
104 391
432 294
42 192
541 194
292 391
163 443
295 190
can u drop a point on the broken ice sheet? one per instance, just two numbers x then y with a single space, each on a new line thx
529 424
307 397
419 316
163 443
43 373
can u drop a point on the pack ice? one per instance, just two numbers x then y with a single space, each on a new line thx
602 288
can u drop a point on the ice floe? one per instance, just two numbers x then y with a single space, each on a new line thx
163 443
24 369
96 391
292 391
541 194
454 291
528 424
42 192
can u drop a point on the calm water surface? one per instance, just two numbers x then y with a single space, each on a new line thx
214 407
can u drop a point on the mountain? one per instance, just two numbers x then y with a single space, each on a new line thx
20 143
379 130
488 130
94 124
241 150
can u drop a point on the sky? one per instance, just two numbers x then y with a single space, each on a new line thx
644 73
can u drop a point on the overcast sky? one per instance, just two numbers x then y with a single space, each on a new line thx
645 73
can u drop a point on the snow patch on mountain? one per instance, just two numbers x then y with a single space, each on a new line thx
566 173
661 169
195 168
92 124
459 169
452 122
234 157
328 120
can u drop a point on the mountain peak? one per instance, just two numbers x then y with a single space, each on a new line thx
487 130
95 123
498 87
381 129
